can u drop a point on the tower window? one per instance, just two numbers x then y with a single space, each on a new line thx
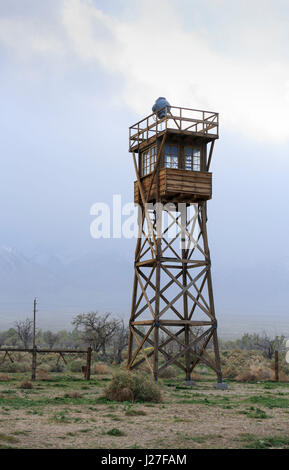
171 156
192 159
148 161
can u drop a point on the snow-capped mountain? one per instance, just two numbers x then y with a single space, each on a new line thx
64 285
11 260
69 284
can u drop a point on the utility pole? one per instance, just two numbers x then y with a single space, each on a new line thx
276 355
34 352
34 320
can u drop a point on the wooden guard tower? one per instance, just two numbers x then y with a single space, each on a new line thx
173 317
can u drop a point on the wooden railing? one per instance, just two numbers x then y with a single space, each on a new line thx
179 119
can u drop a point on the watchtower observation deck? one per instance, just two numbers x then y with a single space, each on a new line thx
183 140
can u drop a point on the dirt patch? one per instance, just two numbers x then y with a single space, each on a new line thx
71 414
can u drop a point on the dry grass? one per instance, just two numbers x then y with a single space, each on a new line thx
99 369
255 372
72 395
249 366
4 378
123 394
198 417
283 377
26 385
127 386
169 372
42 374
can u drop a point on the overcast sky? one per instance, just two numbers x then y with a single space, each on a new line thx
74 74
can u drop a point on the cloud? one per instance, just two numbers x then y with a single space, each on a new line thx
30 37
234 68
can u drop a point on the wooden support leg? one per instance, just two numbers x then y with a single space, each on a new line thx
276 356
217 356
157 302
133 306
34 361
8 355
88 363
3 360
210 290
185 295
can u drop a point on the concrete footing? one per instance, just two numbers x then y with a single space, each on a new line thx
189 383
221 386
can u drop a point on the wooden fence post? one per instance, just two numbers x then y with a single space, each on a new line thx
88 363
34 360
276 366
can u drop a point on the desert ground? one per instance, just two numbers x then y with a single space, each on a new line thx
62 410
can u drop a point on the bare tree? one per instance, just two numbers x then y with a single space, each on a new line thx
96 329
269 345
12 338
24 330
50 338
262 342
119 341
3 338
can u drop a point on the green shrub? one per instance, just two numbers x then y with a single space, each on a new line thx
128 386
257 413
169 373
76 365
115 432
8 367
132 412
24 366
57 368
15 366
